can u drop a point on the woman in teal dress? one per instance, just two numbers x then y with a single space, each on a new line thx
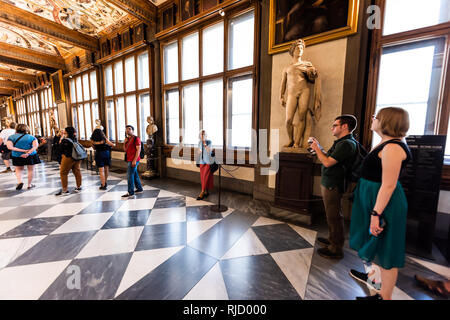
379 198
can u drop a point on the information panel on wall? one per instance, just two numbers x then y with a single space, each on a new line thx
421 180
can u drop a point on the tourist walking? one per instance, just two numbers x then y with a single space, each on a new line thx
102 148
23 146
6 153
132 148
68 162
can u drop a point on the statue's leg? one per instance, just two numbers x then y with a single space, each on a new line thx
302 112
291 106
308 128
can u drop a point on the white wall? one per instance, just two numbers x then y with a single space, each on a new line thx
242 173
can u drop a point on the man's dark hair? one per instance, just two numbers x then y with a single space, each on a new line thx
349 120
71 133
12 125
129 126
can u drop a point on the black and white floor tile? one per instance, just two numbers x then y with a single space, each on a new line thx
162 245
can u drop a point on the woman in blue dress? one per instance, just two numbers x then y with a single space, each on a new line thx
23 146
380 200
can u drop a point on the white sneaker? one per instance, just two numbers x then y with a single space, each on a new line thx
62 194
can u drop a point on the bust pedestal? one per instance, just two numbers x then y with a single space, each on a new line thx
152 157
294 181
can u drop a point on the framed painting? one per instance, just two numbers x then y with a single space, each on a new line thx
57 87
187 9
126 38
314 21
116 43
106 48
139 33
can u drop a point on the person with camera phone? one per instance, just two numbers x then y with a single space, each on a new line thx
335 165
205 161
378 223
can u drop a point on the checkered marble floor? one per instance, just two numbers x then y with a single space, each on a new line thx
160 245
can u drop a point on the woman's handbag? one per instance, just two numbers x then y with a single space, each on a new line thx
214 166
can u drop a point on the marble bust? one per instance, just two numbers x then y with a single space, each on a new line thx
151 128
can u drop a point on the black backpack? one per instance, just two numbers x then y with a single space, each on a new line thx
354 173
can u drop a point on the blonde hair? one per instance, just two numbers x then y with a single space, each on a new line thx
22 128
200 134
394 122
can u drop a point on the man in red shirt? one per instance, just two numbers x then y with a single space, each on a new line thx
132 147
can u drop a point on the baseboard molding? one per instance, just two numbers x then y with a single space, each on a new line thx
241 186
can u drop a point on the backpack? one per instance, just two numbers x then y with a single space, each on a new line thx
355 172
78 151
141 154
3 148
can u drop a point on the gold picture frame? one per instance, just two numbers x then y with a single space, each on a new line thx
58 87
11 106
275 23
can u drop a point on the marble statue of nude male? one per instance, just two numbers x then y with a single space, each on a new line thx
294 95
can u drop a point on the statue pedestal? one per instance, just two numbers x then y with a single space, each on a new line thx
149 174
294 181
152 157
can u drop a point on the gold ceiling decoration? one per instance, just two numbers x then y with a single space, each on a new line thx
18 69
86 16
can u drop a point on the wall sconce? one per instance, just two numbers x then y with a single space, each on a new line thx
221 12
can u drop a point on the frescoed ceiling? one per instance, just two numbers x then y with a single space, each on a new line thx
18 69
42 35
86 16
27 39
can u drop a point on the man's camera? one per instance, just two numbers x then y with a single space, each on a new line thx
311 150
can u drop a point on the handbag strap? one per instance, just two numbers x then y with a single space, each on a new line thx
18 139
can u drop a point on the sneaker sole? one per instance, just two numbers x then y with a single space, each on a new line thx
365 282
330 257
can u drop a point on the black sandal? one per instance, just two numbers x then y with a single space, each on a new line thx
201 196
19 186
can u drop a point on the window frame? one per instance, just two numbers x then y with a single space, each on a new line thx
137 92
47 105
33 111
21 110
225 75
379 41
75 105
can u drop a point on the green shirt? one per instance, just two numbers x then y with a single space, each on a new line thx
344 152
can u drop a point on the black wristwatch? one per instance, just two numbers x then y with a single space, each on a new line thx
374 213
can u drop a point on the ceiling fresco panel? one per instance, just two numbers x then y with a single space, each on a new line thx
87 16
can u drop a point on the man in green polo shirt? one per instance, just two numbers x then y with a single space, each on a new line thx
336 163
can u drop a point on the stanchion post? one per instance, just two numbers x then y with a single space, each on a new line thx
219 207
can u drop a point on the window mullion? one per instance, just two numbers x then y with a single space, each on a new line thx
180 93
225 84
